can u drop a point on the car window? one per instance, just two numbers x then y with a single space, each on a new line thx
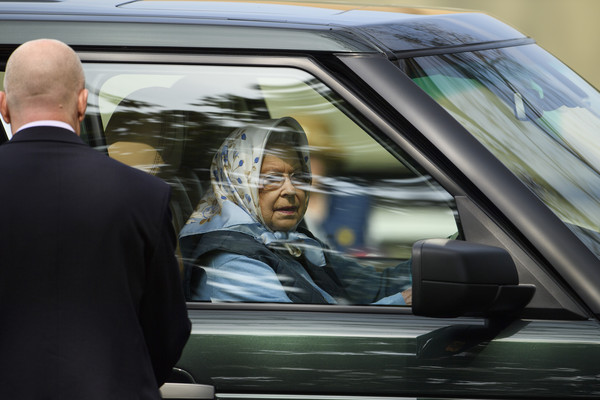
366 205
5 126
535 115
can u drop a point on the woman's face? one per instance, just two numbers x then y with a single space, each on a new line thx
282 207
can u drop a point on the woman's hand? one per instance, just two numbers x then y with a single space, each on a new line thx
407 294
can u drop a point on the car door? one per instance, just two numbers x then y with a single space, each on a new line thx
388 180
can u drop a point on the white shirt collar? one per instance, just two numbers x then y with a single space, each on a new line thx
58 124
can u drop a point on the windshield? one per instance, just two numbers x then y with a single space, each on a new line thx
533 113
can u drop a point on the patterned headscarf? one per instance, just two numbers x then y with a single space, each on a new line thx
235 173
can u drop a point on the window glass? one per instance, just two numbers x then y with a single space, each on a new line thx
536 115
5 126
302 203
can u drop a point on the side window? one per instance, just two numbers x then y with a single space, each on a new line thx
280 192
5 132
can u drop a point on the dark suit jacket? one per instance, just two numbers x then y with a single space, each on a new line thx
91 305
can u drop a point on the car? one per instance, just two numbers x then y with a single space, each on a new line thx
445 138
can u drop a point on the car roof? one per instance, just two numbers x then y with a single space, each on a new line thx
265 25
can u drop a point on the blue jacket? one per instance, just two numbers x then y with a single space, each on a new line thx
229 265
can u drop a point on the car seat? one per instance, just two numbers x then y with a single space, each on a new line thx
145 132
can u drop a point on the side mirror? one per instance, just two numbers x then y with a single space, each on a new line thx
453 278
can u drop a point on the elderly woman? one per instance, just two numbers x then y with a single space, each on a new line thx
245 241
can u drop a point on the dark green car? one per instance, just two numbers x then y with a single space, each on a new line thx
447 139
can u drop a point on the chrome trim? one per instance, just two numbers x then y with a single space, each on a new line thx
187 391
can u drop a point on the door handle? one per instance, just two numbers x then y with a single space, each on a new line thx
187 391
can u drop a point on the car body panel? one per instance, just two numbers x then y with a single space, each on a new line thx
186 34
236 25
364 354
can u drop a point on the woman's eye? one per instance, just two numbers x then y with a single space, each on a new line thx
301 179
271 180
274 181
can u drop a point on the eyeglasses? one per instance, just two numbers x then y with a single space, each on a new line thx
275 180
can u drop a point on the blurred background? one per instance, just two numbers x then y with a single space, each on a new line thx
569 29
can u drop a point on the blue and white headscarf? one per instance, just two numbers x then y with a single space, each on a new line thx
232 203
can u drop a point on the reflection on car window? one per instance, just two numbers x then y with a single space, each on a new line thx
5 126
535 115
362 211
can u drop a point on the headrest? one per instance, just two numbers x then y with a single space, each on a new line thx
145 122
137 155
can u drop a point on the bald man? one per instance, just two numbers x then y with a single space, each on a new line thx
91 305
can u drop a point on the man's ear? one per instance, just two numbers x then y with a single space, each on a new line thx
82 104
4 108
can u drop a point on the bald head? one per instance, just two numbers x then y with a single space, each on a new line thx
44 79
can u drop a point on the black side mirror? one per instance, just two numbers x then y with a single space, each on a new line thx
453 278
